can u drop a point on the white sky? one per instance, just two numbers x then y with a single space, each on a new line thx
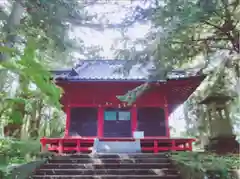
107 38
114 15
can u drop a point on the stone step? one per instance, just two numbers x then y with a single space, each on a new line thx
108 160
159 172
108 166
105 165
105 177
112 155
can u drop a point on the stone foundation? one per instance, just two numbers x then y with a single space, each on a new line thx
223 145
116 146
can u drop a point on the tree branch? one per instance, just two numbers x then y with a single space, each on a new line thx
204 39
235 4
226 32
99 26
213 25
227 12
209 46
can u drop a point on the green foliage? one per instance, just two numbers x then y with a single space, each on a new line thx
187 33
17 151
6 50
31 70
14 152
207 162
55 18
131 96
37 32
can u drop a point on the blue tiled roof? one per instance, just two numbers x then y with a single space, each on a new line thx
103 70
60 72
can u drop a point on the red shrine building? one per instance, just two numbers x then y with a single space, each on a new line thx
94 112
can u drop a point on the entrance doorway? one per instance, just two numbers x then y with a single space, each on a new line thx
117 123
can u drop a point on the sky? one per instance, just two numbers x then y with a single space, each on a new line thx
107 37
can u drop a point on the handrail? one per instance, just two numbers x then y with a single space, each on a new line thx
80 144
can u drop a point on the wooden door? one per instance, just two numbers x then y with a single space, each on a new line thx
117 123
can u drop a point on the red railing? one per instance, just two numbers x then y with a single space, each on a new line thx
160 145
85 145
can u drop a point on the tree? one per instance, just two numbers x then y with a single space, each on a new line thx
185 32
49 22
10 28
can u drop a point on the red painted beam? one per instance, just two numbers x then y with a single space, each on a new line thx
115 105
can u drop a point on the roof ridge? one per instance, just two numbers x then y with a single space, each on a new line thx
103 60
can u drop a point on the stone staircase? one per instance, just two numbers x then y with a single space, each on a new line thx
108 166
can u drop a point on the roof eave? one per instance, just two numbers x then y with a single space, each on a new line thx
107 80
129 80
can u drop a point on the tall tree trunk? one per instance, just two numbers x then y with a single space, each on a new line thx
10 28
36 120
14 129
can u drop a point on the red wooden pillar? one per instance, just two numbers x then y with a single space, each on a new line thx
100 121
173 148
134 118
44 146
166 116
155 146
68 113
190 145
78 146
60 146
